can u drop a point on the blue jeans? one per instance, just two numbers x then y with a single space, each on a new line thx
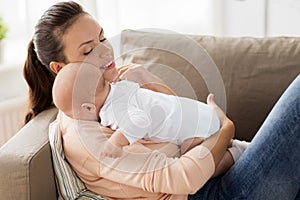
270 166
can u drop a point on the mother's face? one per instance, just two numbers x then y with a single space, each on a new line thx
84 41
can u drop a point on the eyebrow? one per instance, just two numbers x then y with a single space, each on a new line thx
89 41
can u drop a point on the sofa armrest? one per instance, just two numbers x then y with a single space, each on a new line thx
25 162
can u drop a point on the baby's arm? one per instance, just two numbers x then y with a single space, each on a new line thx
139 74
113 146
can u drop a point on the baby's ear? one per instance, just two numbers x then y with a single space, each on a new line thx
89 107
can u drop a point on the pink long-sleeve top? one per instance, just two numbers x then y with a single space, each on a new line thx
146 170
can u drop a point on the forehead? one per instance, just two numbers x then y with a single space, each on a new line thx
83 29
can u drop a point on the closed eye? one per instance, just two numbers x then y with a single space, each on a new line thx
87 53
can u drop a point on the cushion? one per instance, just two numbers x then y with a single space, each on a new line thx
69 186
246 74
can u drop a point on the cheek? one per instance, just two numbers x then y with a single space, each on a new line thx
73 56
109 48
69 52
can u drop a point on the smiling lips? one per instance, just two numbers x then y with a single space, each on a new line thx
108 66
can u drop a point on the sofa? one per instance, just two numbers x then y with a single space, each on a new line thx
246 74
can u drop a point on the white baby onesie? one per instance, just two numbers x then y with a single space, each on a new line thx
142 113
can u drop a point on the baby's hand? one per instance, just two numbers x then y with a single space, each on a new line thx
111 150
132 72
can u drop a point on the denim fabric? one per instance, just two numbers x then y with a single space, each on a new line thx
270 167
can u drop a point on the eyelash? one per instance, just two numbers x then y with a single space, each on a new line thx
102 40
87 53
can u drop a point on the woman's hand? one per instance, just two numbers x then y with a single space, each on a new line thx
222 116
220 141
220 113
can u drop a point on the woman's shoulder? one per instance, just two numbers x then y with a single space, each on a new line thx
70 125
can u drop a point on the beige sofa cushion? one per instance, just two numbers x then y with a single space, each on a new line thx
254 72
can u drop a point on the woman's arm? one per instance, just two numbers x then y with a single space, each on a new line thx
226 139
224 165
147 80
152 170
218 143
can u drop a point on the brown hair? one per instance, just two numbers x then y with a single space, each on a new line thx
47 46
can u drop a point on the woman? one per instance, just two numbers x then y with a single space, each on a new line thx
271 162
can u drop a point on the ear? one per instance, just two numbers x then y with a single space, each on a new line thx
56 66
89 107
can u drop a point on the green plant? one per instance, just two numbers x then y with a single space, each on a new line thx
3 29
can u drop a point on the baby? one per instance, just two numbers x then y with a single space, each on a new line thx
134 113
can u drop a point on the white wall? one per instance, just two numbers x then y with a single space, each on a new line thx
283 18
261 18
233 18
189 16
244 18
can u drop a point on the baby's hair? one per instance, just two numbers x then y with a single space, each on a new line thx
74 85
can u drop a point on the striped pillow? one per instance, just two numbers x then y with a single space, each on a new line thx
69 186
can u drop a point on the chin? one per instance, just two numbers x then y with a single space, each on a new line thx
110 75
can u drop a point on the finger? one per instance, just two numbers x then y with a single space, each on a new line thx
116 79
123 69
126 66
210 99
123 75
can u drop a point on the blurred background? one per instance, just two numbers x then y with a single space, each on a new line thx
230 18
257 18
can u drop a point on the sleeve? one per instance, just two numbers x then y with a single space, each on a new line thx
147 169
135 124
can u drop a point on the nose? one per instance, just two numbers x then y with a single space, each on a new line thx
103 50
101 55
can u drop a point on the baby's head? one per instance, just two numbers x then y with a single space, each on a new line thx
75 88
